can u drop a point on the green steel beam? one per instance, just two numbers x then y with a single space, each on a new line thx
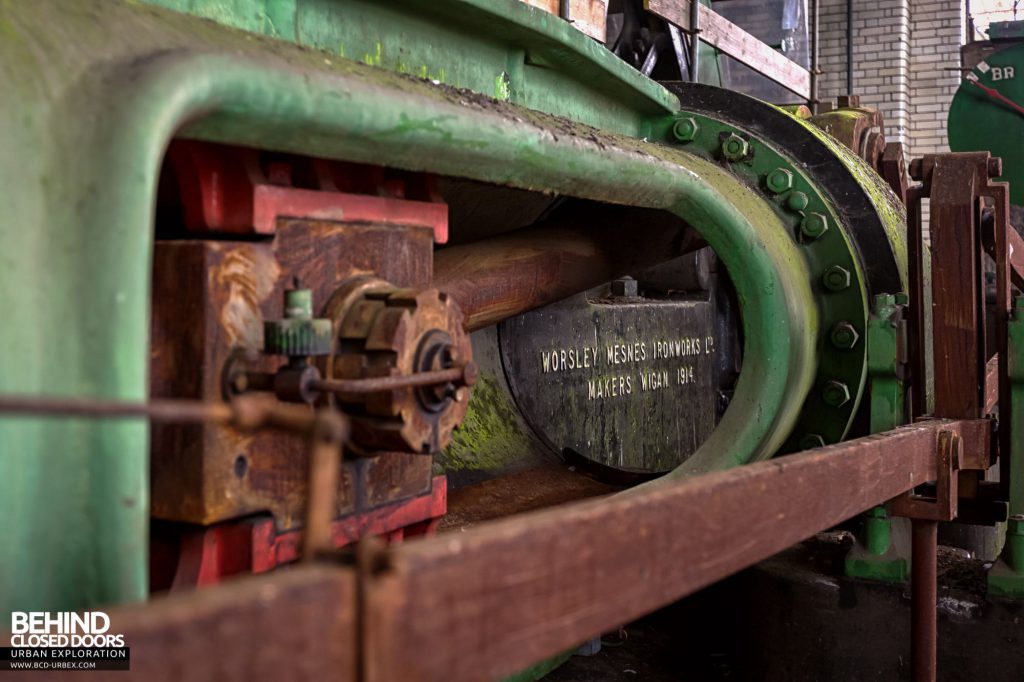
504 49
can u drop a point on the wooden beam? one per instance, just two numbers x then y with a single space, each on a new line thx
588 16
501 596
726 36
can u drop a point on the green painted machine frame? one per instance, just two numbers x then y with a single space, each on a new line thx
492 91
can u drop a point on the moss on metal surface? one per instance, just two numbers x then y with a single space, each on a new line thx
500 48
490 436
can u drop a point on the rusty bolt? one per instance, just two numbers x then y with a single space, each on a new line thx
734 147
779 180
811 440
625 286
844 335
797 201
814 225
836 278
836 394
685 129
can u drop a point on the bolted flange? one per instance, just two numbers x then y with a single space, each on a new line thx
835 394
779 180
734 147
797 201
685 129
844 335
836 278
814 225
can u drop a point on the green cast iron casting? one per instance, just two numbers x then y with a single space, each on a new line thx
87 121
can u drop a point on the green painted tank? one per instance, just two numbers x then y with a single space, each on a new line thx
987 114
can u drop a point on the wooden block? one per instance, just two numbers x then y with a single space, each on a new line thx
588 16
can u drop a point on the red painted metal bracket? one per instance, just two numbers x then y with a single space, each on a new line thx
209 555
236 190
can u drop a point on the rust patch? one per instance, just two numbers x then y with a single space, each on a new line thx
246 276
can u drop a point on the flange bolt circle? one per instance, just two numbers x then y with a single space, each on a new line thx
836 278
797 201
779 180
734 147
814 225
685 129
835 394
844 335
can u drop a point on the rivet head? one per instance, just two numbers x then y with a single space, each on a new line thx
844 335
811 440
836 278
797 201
779 180
685 129
734 147
835 394
814 225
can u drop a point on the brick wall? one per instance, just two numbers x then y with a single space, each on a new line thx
881 58
905 53
937 29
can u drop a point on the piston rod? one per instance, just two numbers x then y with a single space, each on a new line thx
498 278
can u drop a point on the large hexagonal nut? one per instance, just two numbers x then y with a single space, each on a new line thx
835 394
685 129
779 181
844 335
814 225
626 287
734 147
836 278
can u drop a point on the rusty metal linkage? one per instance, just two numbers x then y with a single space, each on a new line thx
923 599
465 375
328 430
968 383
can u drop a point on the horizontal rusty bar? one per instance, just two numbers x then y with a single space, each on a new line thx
490 601
247 412
296 624
463 375
157 410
